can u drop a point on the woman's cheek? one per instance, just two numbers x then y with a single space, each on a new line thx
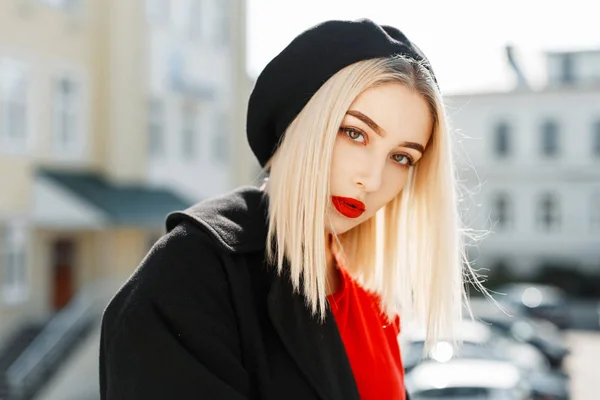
395 182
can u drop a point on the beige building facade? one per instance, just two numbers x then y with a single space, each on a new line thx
77 204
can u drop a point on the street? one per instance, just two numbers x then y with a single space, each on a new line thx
583 364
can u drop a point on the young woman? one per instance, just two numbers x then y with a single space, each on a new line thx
294 290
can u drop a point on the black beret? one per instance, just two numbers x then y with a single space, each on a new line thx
289 81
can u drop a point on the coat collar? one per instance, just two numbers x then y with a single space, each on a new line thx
238 221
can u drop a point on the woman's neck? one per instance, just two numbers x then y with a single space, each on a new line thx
332 275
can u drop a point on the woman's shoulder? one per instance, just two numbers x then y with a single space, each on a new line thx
179 264
186 265
180 285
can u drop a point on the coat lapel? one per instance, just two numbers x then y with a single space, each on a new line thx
316 348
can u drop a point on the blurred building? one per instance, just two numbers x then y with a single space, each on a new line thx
112 114
535 157
197 90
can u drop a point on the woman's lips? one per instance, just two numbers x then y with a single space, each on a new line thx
348 206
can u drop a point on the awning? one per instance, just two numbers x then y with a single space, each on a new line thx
88 200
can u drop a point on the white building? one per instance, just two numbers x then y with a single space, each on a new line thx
535 167
196 53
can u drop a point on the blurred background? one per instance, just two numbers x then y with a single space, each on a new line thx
114 113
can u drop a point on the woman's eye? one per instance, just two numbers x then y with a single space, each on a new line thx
403 159
354 135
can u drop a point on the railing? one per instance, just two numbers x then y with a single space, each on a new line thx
69 325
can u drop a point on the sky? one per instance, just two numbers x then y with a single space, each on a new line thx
463 39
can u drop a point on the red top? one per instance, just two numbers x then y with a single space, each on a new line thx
371 342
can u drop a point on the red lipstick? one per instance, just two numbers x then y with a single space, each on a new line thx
348 206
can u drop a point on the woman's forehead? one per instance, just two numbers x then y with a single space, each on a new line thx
395 111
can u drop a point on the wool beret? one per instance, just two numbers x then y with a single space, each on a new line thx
289 81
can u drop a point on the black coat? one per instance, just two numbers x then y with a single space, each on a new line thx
204 317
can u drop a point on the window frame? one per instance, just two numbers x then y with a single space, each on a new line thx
220 145
79 112
156 124
221 28
596 138
193 19
14 239
503 218
70 6
157 12
190 118
595 212
550 139
502 139
549 218
15 145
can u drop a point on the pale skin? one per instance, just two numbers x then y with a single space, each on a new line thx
385 130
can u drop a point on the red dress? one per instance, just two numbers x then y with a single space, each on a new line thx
371 342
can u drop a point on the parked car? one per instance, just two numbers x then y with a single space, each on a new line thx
542 334
467 379
483 342
537 300
479 341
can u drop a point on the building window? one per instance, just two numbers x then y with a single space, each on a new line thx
156 127
223 25
567 70
13 243
221 141
501 212
193 18
67 5
595 212
502 139
189 130
13 105
550 138
157 11
189 18
67 114
548 213
596 138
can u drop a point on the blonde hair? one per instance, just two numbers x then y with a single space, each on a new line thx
412 253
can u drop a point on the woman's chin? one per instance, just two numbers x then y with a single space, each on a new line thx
341 224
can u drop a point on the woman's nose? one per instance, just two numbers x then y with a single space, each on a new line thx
370 177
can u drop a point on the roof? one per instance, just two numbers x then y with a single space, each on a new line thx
124 204
571 50
540 89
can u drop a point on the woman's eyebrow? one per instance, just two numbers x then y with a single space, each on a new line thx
371 124
413 145
368 121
